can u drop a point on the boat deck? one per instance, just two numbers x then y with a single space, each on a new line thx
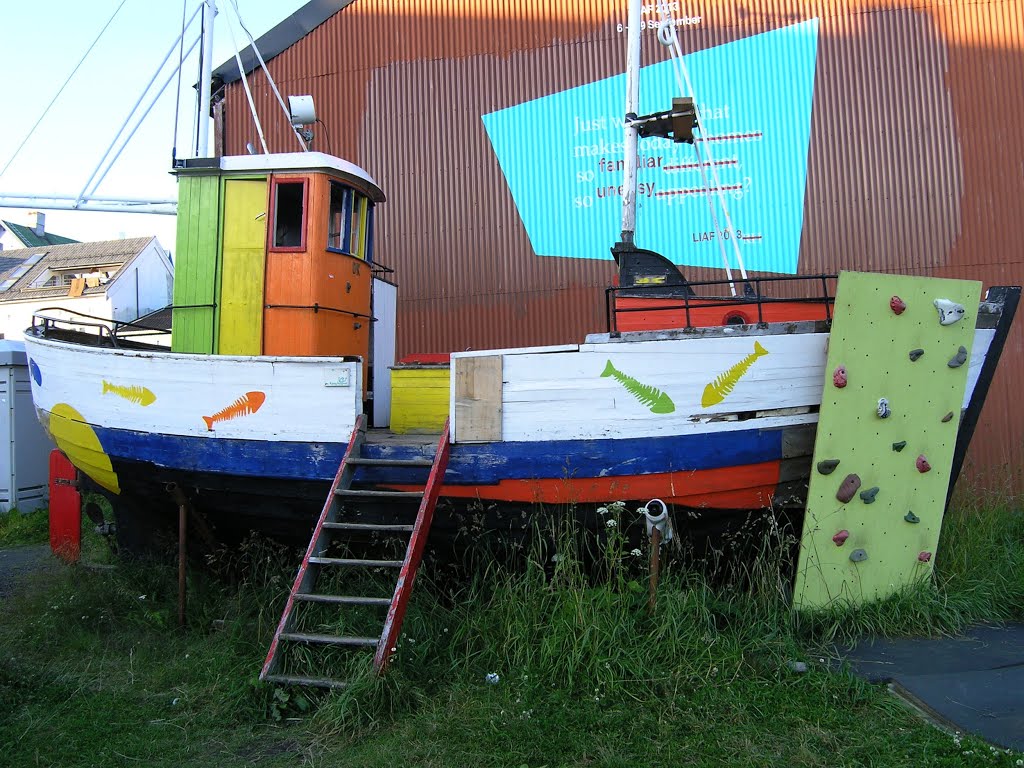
385 437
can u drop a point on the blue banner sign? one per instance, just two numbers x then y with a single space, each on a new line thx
562 157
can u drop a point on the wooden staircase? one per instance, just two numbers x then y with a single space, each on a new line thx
334 520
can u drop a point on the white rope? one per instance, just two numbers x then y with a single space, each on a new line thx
61 89
248 93
273 85
677 56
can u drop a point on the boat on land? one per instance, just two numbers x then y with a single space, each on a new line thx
283 341
271 410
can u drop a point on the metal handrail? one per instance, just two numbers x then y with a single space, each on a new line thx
107 328
690 300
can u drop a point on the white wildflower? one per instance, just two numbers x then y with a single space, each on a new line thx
492 678
611 523
142 597
636 552
602 510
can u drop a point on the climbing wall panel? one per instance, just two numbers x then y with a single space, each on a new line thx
890 410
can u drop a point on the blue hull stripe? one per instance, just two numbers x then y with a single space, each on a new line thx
482 464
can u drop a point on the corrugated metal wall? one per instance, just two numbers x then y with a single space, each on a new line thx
915 161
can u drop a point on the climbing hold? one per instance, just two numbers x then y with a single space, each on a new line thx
959 358
897 305
922 464
910 517
841 537
839 377
899 446
949 311
848 488
925 557
915 355
868 496
947 417
827 467
883 408
858 556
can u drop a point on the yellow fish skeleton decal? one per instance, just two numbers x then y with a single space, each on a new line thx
135 393
719 389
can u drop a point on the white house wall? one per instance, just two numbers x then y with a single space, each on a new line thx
144 286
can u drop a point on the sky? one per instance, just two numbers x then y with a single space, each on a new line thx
43 41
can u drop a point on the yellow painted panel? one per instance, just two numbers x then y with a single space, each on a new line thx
419 399
361 244
242 270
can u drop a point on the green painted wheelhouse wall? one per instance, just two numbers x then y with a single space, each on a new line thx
195 266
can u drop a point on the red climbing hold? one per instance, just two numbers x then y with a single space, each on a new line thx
897 305
925 557
841 537
839 377
848 488
922 464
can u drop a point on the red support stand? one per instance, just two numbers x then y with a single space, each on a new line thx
65 509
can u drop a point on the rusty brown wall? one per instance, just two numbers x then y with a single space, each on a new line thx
915 163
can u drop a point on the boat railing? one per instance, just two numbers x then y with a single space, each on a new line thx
758 303
105 332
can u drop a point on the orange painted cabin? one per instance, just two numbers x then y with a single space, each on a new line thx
318 282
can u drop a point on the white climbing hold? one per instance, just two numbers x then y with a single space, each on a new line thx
949 311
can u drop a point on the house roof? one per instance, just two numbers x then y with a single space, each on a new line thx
280 38
83 257
31 240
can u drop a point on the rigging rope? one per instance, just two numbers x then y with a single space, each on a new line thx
177 93
273 85
61 89
248 93
668 22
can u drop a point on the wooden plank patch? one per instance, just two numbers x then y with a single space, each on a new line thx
478 399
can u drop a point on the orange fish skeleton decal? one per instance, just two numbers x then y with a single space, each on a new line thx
248 403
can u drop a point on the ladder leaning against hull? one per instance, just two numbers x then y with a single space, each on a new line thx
332 520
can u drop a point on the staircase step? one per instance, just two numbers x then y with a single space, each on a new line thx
379 494
355 561
390 528
316 682
391 462
342 599
302 637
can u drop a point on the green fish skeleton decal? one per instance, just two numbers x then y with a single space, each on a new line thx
718 390
650 396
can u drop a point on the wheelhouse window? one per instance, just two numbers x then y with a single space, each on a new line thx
350 222
340 215
289 200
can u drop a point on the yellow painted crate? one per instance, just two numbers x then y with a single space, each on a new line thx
419 398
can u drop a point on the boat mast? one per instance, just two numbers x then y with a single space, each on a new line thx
631 131
205 81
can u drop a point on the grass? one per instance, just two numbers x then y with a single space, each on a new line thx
21 530
95 673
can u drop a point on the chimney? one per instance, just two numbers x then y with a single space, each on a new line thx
39 226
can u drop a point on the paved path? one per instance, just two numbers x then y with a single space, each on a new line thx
972 682
15 564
